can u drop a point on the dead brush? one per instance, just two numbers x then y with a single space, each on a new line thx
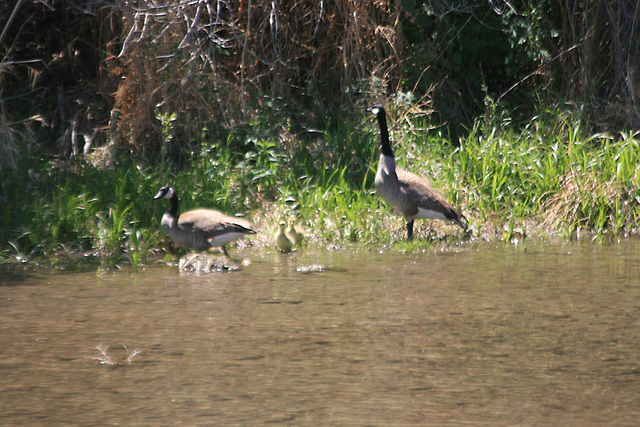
583 201
211 61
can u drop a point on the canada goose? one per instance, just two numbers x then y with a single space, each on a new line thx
282 241
295 234
405 192
201 229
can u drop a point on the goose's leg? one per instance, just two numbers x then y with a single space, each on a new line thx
410 230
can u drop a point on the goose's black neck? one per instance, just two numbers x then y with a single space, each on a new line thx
384 134
173 209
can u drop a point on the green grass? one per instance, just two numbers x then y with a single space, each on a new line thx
549 177
553 175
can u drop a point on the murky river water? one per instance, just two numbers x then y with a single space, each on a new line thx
493 335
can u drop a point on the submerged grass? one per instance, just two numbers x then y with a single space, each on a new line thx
551 177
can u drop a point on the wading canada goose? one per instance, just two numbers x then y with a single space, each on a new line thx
405 192
282 241
201 229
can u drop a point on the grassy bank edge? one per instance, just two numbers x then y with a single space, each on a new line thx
550 178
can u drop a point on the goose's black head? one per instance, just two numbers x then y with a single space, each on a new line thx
378 110
165 192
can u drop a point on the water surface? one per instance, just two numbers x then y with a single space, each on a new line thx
495 335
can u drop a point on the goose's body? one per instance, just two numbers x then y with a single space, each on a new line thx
407 193
201 229
283 243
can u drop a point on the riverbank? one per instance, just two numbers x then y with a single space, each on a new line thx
547 178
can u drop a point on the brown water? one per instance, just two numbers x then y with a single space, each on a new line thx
498 335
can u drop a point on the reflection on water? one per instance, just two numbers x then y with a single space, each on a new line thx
482 335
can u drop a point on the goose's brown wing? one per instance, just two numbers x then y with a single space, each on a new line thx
422 195
213 223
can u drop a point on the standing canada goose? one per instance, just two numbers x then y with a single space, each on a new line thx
201 229
282 241
405 192
295 234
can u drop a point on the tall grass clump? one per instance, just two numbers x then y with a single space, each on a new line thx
551 176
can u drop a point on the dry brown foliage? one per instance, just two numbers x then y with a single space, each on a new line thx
583 196
100 73
211 60
106 71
